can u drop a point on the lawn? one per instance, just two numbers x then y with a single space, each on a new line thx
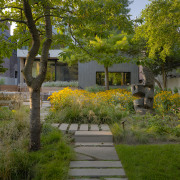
150 162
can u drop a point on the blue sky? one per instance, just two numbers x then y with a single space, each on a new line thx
137 6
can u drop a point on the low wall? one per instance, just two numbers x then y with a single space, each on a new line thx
9 88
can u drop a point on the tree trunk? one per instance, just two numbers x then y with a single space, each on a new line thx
158 83
35 125
106 78
164 78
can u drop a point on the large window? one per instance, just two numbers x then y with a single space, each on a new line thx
115 78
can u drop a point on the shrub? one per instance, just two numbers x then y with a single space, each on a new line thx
61 84
147 129
77 106
166 102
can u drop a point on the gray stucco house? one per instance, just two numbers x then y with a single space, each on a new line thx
121 75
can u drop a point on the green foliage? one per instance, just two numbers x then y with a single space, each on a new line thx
61 84
16 162
95 89
160 28
160 162
149 128
2 81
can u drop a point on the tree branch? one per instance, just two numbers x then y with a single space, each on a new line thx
46 45
14 7
27 72
13 20
80 45
47 15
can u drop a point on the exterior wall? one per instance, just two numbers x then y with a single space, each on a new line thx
173 82
10 64
87 72
52 53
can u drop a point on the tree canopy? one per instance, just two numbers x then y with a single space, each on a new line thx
80 19
160 28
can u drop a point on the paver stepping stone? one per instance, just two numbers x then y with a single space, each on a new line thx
94 127
95 164
115 178
73 128
55 124
101 144
105 127
93 136
63 127
82 157
83 127
99 153
97 172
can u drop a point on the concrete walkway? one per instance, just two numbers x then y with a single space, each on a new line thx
96 157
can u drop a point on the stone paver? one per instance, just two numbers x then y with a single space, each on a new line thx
94 127
83 127
82 157
95 164
73 128
105 127
55 124
93 136
63 127
101 144
97 172
116 179
99 153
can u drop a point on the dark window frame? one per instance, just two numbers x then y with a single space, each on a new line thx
114 72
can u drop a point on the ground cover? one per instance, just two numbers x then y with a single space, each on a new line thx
157 162
16 162
115 107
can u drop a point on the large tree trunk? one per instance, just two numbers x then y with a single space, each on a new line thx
35 125
106 78
34 84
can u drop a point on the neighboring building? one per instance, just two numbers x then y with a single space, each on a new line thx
56 71
11 74
120 75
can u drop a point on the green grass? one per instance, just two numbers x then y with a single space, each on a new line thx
16 162
150 162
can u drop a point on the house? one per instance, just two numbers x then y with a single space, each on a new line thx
120 75
11 74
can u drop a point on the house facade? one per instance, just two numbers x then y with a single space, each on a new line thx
11 74
120 75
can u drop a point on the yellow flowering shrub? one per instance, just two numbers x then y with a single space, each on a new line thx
166 101
69 97
88 106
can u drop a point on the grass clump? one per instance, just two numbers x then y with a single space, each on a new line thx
16 162
138 129
157 162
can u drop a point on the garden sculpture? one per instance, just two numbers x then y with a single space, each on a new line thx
144 91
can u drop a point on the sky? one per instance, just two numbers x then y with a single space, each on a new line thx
136 8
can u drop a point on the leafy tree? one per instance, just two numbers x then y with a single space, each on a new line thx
116 48
34 18
161 31
106 46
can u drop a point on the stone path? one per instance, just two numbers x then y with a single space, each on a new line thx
96 157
